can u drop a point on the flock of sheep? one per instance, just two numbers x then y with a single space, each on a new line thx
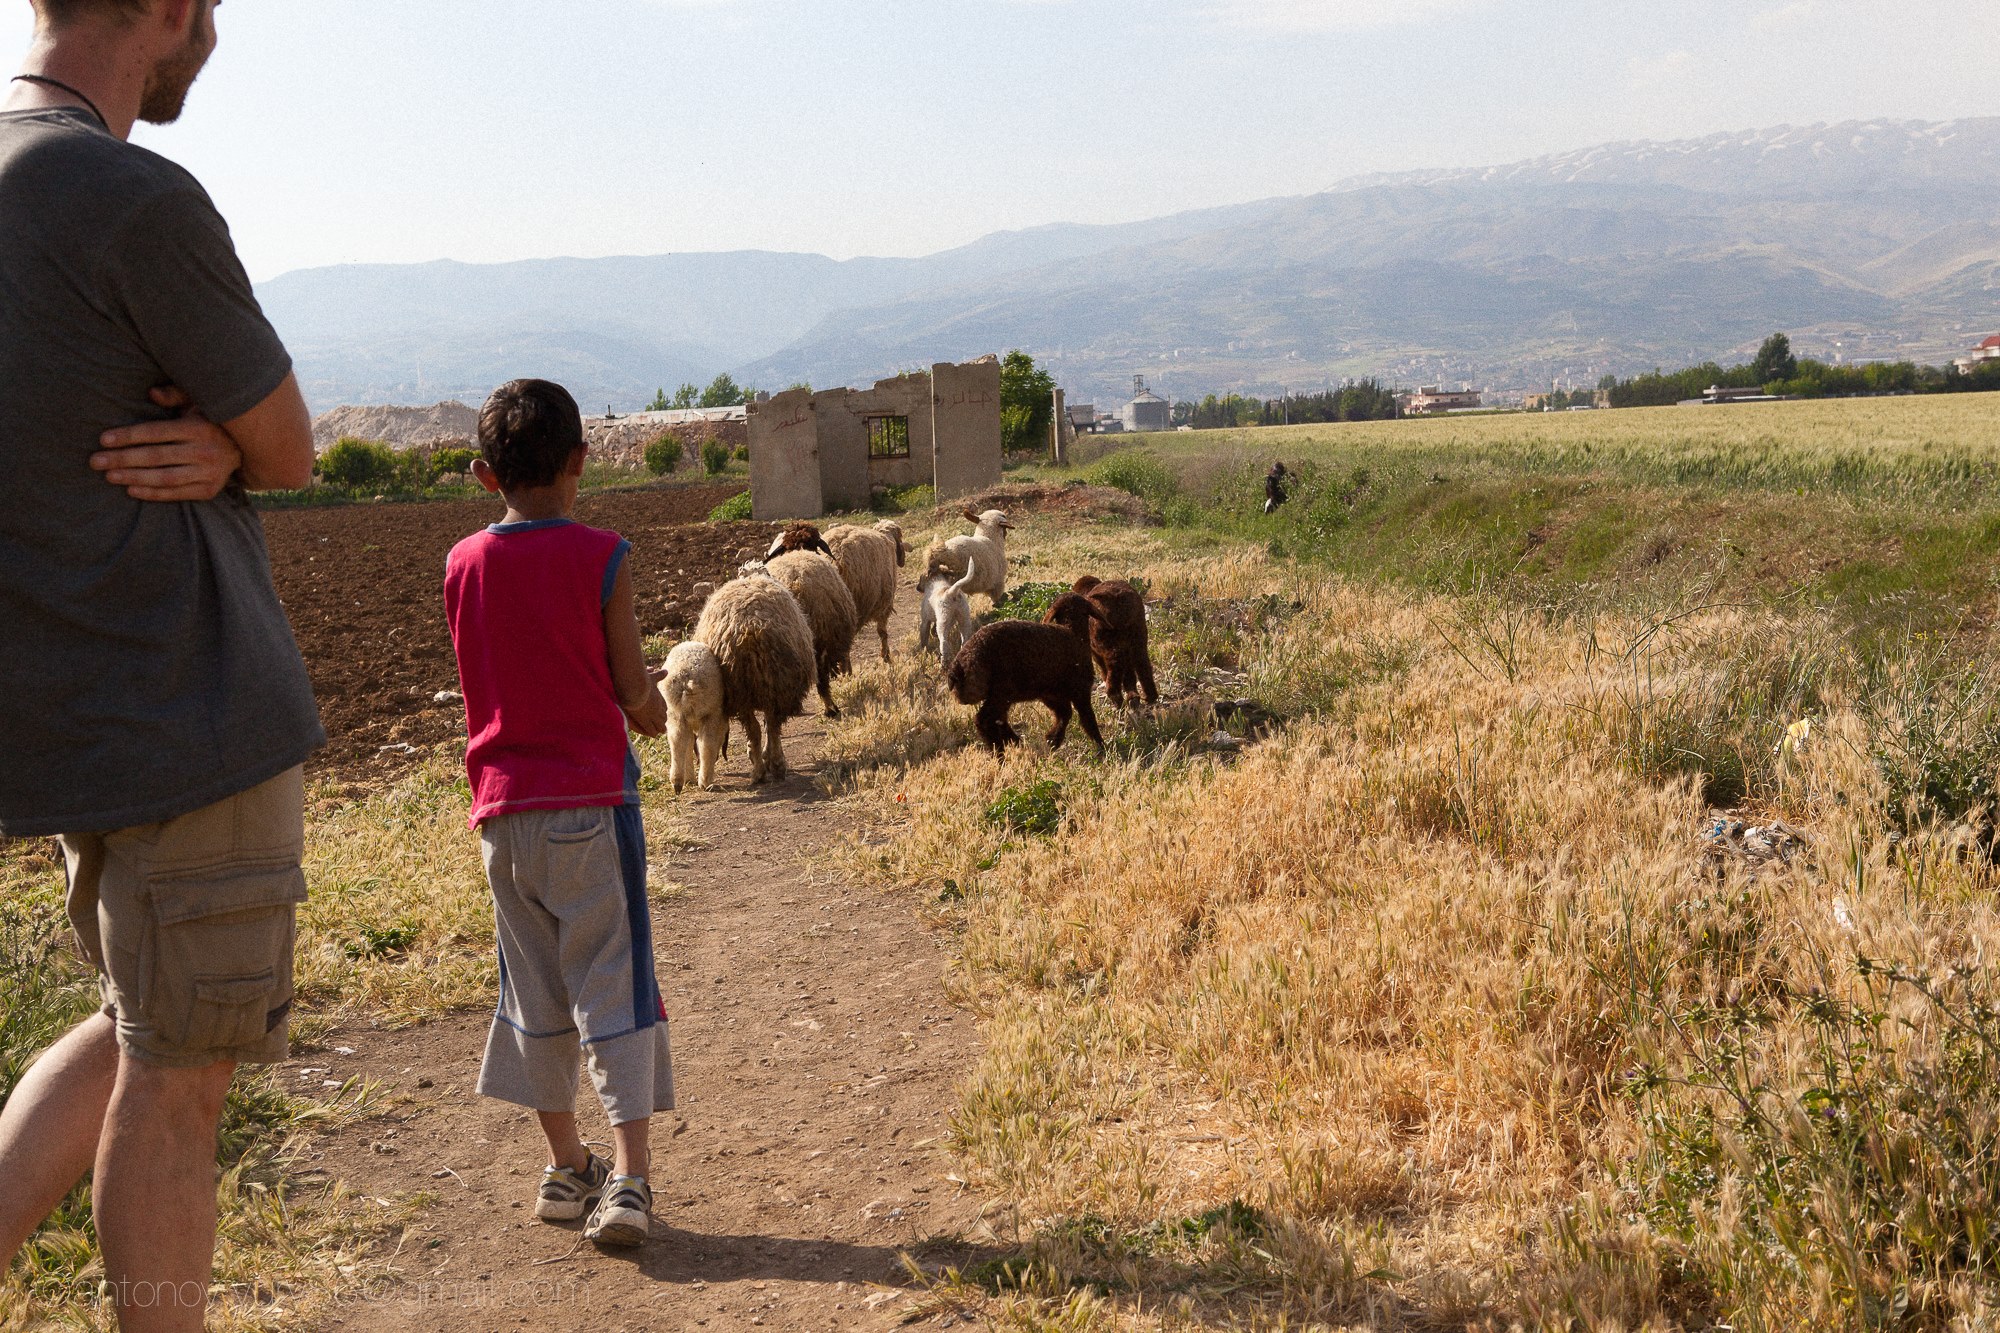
787 623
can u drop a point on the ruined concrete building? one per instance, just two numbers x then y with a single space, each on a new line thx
815 453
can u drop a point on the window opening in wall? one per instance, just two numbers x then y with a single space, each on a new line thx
888 437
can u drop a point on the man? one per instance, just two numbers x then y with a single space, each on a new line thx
1274 488
154 712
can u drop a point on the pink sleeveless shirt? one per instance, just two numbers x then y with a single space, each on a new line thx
526 607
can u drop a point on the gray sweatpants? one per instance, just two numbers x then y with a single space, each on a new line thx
576 964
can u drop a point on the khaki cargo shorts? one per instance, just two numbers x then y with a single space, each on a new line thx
190 924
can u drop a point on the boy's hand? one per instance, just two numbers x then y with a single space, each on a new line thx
649 718
187 457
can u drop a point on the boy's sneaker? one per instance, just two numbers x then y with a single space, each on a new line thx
624 1215
566 1195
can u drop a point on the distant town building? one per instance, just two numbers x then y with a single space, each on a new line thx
1083 416
1435 402
1986 351
1147 410
1717 396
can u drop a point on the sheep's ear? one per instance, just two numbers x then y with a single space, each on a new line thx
970 517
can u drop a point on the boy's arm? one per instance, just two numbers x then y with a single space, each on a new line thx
645 707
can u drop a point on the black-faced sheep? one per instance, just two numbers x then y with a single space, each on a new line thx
1118 638
696 724
867 559
798 537
1014 661
953 556
764 648
815 581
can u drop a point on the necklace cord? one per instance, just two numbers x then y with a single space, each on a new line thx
62 87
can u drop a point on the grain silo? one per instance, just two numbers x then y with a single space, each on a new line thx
1147 410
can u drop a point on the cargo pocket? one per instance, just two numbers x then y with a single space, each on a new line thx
219 963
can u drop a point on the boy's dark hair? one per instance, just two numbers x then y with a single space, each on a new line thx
528 431
62 13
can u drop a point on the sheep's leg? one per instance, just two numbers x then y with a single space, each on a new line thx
682 736
882 628
1061 708
755 735
992 726
1088 717
1146 677
714 741
827 705
775 745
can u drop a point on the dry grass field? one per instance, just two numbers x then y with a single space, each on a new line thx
1575 915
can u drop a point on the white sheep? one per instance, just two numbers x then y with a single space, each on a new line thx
829 608
951 611
696 723
953 556
868 560
764 648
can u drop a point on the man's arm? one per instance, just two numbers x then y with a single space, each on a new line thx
190 457
645 707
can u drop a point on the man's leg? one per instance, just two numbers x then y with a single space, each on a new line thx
155 1193
50 1127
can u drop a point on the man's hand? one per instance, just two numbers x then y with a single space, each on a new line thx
187 457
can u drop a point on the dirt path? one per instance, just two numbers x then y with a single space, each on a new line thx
815 1055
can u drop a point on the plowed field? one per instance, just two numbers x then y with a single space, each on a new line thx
363 585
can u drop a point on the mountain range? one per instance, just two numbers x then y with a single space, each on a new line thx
1863 240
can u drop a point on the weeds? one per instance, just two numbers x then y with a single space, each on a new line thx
1034 811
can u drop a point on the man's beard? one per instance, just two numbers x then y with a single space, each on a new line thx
166 91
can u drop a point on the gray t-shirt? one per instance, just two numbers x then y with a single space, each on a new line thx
146 665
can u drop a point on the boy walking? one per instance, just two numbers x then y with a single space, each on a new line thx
543 623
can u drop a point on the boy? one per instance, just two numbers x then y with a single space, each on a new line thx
542 621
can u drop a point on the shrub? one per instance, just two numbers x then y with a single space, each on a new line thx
1138 473
903 499
1030 601
714 457
663 455
360 464
736 509
1036 810
447 461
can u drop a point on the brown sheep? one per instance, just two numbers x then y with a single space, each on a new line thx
1013 661
1118 640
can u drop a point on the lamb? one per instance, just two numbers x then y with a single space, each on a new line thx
1118 640
868 560
764 648
829 608
1016 660
945 619
695 720
954 556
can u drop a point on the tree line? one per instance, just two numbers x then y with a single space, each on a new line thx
1357 400
1776 370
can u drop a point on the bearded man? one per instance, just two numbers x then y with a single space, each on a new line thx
154 711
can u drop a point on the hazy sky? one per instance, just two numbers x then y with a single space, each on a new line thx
389 130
